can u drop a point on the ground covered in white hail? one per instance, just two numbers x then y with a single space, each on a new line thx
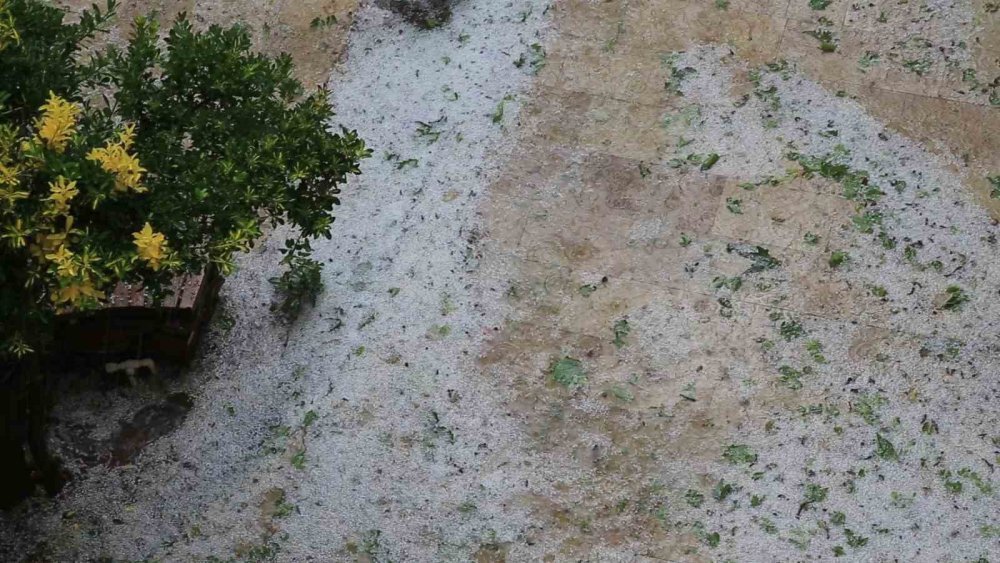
893 458
859 354
358 431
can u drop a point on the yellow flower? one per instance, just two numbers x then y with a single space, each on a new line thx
58 122
87 260
17 346
62 191
9 196
50 241
152 246
8 174
115 159
47 242
77 292
127 136
16 234
64 259
8 31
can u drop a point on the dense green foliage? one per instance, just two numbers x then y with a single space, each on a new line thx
167 155
225 140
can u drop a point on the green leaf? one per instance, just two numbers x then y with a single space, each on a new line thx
622 393
568 372
855 540
884 449
995 183
815 493
733 283
722 490
621 330
837 258
694 498
955 298
867 406
791 329
739 454
790 377
709 161
868 60
497 116
309 418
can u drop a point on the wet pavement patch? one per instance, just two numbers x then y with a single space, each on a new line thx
427 14
148 424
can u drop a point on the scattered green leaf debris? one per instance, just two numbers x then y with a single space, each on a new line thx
827 39
621 330
885 449
694 498
568 372
734 205
731 283
994 186
722 490
709 161
323 22
791 329
739 454
497 116
761 257
309 418
954 298
791 377
868 60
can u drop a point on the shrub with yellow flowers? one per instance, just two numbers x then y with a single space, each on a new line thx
57 250
140 163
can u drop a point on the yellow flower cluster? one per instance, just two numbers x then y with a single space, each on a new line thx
57 123
72 271
50 232
10 191
76 293
60 193
75 272
115 159
151 245
8 31
63 258
8 174
48 239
